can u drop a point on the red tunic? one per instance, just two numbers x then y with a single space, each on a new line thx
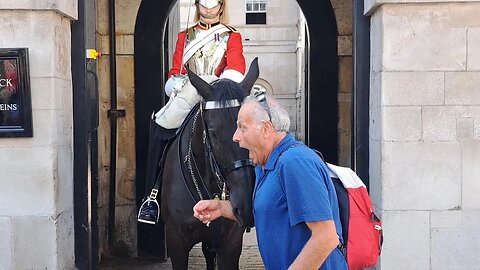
233 58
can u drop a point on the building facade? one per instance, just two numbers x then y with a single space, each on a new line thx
424 131
424 127
36 205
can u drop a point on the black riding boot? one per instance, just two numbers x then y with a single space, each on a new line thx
158 139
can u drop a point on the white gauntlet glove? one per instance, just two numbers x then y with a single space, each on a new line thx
178 106
175 84
183 96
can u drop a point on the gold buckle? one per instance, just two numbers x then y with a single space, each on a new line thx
154 193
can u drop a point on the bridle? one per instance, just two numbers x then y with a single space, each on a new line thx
220 173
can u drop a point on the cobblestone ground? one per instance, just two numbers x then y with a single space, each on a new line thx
249 260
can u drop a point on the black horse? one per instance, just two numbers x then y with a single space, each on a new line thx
203 162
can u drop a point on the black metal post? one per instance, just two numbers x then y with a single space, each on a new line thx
113 115
85 123
80 142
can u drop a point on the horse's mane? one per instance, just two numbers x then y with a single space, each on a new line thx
225 90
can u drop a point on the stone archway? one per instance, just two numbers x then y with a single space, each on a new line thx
321 95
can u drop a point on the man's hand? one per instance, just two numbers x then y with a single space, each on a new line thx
209 210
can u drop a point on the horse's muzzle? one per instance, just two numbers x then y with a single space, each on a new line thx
244 218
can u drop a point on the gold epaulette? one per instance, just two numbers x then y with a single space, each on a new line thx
191 34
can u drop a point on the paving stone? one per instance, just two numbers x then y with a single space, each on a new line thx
249 260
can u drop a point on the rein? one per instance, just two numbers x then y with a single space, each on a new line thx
219 173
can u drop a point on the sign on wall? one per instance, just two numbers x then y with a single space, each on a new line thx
15 97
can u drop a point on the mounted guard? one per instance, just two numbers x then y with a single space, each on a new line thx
211 49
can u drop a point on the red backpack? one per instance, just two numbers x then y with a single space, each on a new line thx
361 228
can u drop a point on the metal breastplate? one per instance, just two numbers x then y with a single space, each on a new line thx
208 58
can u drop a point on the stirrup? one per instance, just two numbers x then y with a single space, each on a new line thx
146 210
141 214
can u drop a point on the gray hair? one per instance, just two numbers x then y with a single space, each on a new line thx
279 116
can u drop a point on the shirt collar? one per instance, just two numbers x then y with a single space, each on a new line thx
278 150
206 26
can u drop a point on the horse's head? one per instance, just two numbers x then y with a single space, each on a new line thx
222 100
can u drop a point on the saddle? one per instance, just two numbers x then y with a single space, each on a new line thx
150 208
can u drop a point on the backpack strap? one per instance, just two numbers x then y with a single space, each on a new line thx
320 155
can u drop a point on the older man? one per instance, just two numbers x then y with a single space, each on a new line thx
295 204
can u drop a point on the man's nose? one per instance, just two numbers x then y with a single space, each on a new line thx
236 136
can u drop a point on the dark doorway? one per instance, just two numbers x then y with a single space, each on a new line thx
150 75
150 68
322 83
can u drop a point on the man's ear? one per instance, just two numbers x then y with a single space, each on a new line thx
267 128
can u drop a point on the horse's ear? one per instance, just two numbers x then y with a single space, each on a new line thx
203 88
251 77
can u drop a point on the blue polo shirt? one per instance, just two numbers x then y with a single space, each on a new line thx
293 188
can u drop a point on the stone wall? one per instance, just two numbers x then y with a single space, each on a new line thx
36 187
344 16
126 209
425 132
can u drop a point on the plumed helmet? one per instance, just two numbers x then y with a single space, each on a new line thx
209 3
